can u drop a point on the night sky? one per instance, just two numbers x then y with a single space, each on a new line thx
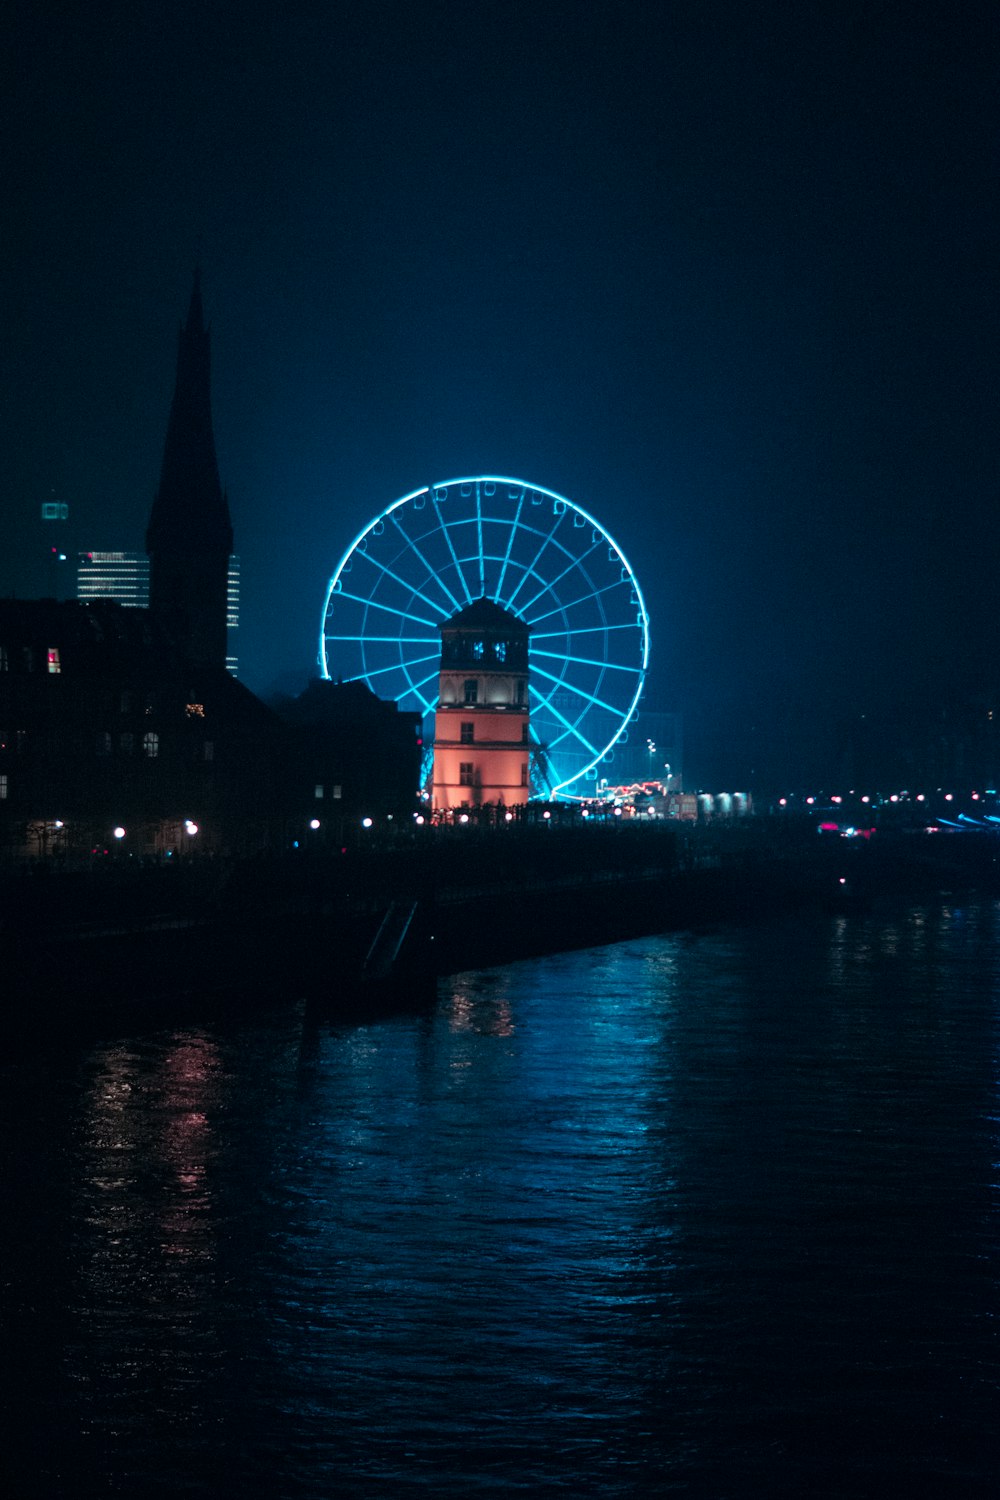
725 275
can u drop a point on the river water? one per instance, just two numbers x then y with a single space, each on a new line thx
711 1215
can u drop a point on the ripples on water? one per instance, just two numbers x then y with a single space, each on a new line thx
707 1217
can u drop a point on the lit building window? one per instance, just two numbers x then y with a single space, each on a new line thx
3 786
151 745
195 710
337 793
478 649
465 773
318 792
54 665
470 690
468 733
500 650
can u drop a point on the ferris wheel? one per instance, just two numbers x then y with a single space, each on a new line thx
433 552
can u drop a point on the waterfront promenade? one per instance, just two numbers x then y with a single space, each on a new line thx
120 937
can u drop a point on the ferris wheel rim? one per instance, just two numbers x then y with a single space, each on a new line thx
438 493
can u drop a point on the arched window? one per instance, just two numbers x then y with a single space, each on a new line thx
151 744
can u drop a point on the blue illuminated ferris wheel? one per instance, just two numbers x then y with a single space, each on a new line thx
535 553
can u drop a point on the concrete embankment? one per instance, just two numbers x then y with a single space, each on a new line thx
140 947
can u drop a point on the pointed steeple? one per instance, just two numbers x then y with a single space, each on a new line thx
190 534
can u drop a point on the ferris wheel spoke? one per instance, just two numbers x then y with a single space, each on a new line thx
561 635
416 686
409 588
587 661
551 584
510 543
569 728
529 570
451 546
396 666
390 640
389 609
578 692
479 539
564 609
425 564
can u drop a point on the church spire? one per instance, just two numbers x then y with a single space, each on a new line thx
190 534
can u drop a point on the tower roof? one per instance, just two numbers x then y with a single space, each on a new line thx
485 614
190 508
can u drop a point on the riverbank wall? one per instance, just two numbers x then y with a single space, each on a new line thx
144 946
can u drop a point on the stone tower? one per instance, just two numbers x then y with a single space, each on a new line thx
190 535
481 727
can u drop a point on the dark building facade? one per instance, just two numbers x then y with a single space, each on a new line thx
121 729
104 726
352 756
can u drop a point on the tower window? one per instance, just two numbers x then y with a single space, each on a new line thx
500 650
151 745
3 786
470 690
53 659
468 733
478 649
466 771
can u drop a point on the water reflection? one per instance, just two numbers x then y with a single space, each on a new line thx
674 1216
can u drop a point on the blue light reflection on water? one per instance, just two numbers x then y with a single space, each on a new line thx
711 1216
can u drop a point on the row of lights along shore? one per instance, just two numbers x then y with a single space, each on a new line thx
825 799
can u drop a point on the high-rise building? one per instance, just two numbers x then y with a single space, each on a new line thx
124 578
190 535
121 576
